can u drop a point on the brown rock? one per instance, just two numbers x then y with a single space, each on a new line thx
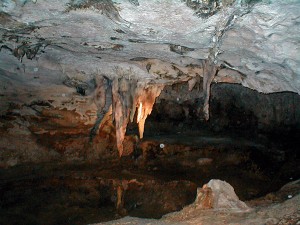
205 197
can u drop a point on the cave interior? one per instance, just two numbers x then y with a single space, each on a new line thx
114 108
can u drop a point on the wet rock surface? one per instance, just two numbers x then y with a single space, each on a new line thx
86 193
43 131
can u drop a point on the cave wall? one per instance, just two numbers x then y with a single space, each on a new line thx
232 108
243 108
40 131
53 134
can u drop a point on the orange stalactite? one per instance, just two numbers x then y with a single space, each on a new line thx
127 99
139 115
146 101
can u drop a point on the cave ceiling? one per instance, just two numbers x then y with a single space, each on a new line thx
254 43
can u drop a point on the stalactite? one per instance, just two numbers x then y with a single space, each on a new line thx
123 92
210 65
121 107
145 102
120 131
124 96
127 97
102 99
209 72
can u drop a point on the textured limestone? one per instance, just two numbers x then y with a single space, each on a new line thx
53 55
259 41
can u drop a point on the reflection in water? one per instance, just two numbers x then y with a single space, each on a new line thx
150 183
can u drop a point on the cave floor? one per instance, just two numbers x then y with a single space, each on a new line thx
160 177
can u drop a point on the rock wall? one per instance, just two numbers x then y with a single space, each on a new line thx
33 131
232 107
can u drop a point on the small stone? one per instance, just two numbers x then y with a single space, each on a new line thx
36 69
63 95
12 162
204 161
290 196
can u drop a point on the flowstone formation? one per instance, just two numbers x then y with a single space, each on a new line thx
129 98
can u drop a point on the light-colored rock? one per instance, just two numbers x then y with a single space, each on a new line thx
224 196
219 196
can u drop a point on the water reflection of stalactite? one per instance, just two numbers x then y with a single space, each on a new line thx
120 200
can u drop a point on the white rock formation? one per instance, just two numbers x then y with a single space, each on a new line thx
224 196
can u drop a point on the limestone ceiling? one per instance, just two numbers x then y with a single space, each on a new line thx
155 41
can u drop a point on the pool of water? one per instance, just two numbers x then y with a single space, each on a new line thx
161 176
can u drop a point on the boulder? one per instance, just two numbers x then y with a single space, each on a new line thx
219 195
